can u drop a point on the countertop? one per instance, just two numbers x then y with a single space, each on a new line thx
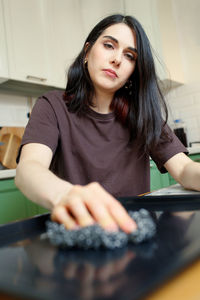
8 173
193 150
184 286
175 189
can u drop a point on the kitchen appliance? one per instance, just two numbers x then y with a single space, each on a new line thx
180 131
34 269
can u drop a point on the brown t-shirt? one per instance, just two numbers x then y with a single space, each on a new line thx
94 147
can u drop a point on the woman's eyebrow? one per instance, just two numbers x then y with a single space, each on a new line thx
116 41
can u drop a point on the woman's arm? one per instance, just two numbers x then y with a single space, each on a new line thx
184 170
34 178
72 205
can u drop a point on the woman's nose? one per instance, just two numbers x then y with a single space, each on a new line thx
116 60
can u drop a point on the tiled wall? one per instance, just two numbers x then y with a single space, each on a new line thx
184 103
14 109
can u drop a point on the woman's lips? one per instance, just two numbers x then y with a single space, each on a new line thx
110 73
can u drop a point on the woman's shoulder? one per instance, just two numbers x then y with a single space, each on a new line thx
52 100
53 96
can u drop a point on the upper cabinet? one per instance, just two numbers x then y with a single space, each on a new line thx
93 11
26 40
156 17
68 24
39 39
3 48
65 37
169 43
44 36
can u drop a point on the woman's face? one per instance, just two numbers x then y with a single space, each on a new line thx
112 58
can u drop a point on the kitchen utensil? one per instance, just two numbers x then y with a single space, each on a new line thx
11 139
19 131
8 151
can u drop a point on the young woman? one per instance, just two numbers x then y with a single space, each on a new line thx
87 146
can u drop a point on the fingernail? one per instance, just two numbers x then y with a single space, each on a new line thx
131 225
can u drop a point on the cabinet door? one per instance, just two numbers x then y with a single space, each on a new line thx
158 180
12 203
68 25
26 40
3 54
145 12
157 19
64 37
194 157
94 11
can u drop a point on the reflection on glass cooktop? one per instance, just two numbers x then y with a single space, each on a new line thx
34 269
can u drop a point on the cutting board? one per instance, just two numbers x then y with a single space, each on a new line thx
11 139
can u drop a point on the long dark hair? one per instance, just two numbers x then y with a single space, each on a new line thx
139 107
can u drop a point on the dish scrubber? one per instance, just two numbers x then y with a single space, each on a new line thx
94 236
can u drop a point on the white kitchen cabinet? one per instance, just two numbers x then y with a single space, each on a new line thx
26 40
41 38
94 11
68 25
44 36
157 19
65 37
169 41
3 48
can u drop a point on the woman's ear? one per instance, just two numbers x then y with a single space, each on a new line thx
86 49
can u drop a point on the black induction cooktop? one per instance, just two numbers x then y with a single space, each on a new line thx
31 268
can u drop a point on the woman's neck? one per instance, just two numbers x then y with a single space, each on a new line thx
102 102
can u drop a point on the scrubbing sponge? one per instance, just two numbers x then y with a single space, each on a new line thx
94 236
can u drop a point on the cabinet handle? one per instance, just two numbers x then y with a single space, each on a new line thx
35 78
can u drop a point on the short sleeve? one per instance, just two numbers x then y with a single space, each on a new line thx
167 149
42 126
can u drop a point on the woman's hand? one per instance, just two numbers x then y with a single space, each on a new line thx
89 204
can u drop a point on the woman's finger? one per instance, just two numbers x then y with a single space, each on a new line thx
61 215
80 212
121 216
97 207
88 208
111 211
102 215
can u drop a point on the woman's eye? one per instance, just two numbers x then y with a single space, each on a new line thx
108 45
130 56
